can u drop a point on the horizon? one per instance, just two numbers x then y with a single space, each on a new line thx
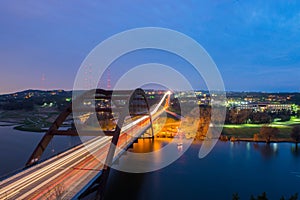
67 90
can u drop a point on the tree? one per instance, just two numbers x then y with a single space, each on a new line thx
235 196
268 132
243 116
293 197
234 116
263 196
256 137
296 134
260 118
203 122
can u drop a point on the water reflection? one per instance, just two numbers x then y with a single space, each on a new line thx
149 145
248 146
295 150
187 178
183 178
122 187
266 150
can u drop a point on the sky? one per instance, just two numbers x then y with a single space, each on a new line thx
255 44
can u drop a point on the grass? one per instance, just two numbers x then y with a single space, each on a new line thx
293 121
248 130
33 121
29 128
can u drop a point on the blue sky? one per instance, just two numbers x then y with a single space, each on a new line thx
255 44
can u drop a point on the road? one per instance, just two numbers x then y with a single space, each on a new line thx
66 174
64 171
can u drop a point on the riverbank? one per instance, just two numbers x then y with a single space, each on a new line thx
5 123
29 129
260 140
36 120
167 128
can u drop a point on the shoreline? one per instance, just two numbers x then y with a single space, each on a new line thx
225 137
21 126
278 140
8 124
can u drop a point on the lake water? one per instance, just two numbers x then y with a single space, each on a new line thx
17 146
246 168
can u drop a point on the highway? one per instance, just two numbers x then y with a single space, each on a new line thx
64 175
67 173
42 179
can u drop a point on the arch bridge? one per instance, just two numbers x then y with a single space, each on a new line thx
111 120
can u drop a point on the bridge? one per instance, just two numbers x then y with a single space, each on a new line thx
123 116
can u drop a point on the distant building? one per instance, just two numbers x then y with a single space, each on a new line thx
261 107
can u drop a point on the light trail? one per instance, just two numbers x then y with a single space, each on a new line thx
75 167
41 173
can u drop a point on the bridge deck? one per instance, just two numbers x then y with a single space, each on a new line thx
67 173
63 176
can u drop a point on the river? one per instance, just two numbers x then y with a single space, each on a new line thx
17 146
245 168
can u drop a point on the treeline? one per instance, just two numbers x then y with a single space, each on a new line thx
18 105
29 104
234 116
263 196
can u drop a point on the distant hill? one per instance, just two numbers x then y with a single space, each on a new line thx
28 99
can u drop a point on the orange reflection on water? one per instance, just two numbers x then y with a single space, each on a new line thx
150 145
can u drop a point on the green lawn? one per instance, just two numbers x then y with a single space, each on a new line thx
248 130
293 121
